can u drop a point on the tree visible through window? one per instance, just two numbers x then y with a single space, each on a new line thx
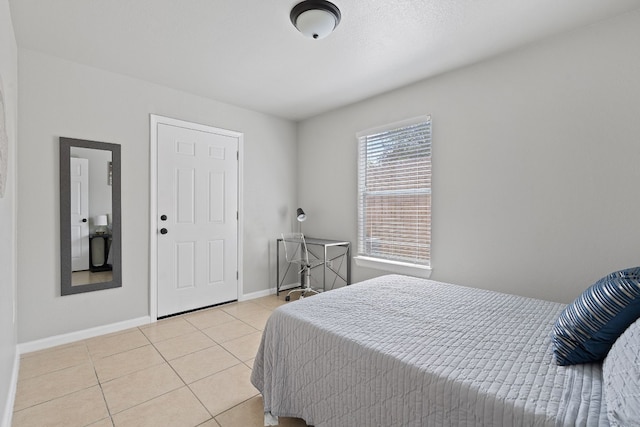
394 186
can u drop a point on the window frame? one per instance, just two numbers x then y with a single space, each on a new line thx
366 260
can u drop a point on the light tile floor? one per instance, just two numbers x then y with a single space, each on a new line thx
189 370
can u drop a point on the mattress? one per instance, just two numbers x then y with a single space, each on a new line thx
402 351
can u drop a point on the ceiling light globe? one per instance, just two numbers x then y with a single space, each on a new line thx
315 19
316 23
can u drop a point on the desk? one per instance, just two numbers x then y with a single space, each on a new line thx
317 249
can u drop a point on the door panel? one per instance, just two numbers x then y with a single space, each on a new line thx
79 187
216 197
185 265
216 261
185 196
198 191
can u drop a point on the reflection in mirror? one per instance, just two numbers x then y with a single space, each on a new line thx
91 209
89 216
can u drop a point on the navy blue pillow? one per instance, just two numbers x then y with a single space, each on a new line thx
588 327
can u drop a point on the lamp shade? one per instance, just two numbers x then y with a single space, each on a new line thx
300 215
100 221
315 18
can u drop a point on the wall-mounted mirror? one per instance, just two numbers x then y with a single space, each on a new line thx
90 238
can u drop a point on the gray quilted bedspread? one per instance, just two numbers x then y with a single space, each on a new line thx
401 351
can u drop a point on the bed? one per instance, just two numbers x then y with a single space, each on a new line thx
403 351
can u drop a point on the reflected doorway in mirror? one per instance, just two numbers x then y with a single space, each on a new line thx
90 237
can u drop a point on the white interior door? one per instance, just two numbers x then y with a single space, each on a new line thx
79 214
197 199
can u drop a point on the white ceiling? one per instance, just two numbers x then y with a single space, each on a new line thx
247 53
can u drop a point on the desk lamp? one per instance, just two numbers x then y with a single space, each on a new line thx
301 216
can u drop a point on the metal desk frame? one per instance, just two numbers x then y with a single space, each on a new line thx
323 244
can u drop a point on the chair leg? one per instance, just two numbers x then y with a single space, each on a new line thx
288 297
306 287
303 292
309 291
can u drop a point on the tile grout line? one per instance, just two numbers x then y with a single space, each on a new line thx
235 406
241 362
104 398
183 381
92 358
228 409
54 398
149 400
62 395
22 358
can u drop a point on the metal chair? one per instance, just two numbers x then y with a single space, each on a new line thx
295 252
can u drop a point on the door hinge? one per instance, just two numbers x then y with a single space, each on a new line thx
237 215
237 155
237 275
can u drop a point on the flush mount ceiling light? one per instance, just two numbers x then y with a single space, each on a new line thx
315 18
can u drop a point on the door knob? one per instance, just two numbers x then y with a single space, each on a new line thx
84 219
163 218
163 231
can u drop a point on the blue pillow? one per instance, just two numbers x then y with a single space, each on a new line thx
588 327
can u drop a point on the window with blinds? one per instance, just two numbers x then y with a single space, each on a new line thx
394 187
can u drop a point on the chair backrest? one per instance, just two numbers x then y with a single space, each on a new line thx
295 248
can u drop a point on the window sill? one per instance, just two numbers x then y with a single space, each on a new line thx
394 266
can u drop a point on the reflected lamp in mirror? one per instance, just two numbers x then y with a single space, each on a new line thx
101 224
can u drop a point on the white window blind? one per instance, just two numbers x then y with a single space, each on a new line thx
394 186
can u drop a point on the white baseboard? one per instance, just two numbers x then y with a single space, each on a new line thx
258 294
44 343
267 292
11 397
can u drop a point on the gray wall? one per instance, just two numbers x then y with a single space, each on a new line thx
61 98
535 156
535 164
9 76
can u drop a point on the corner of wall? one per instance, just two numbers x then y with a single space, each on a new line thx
9 357
11 396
